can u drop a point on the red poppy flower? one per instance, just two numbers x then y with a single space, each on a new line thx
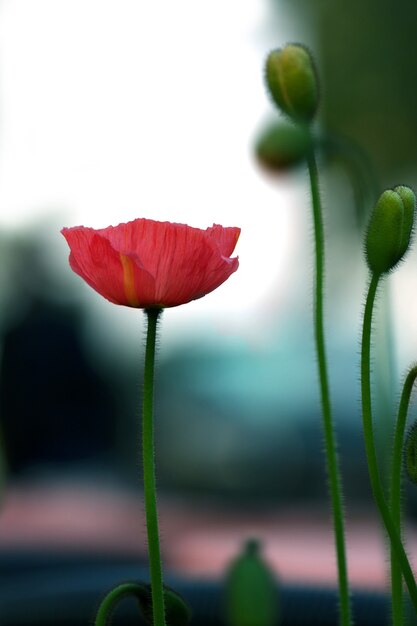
147 264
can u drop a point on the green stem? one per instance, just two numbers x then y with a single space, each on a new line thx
397 455
376 485
149 471
329 435
113 597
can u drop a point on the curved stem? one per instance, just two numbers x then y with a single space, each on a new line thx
329 435
149 471
113 597
396 577
376 485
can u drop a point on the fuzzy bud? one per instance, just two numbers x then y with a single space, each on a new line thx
282 146
252 598
292 82
390 229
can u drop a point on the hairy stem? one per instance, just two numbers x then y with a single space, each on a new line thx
329 434
376 485
149 480
396 577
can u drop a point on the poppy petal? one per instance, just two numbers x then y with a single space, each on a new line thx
102 267
145 263
226 238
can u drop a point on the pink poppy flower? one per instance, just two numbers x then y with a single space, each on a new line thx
148 264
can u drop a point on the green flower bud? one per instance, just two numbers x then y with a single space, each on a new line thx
177 612
409 202
252 598
411 454
282 146
292 82
390 229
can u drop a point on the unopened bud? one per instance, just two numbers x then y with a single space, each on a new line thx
252 598
409 203
282 146
292 82
390 229
411 454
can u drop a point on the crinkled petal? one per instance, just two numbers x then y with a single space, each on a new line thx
186 262
197 273
93 258
226 238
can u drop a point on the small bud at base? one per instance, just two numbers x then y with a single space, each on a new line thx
251 594
282 146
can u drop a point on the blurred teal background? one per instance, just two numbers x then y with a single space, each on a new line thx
111 111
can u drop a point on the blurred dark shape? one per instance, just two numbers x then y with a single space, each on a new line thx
227 425
55 409
370 91
281 146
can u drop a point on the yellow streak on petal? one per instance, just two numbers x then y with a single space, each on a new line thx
129 280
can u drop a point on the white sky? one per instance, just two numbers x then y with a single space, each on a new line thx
117 109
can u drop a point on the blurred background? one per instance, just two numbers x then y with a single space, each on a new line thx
115 110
